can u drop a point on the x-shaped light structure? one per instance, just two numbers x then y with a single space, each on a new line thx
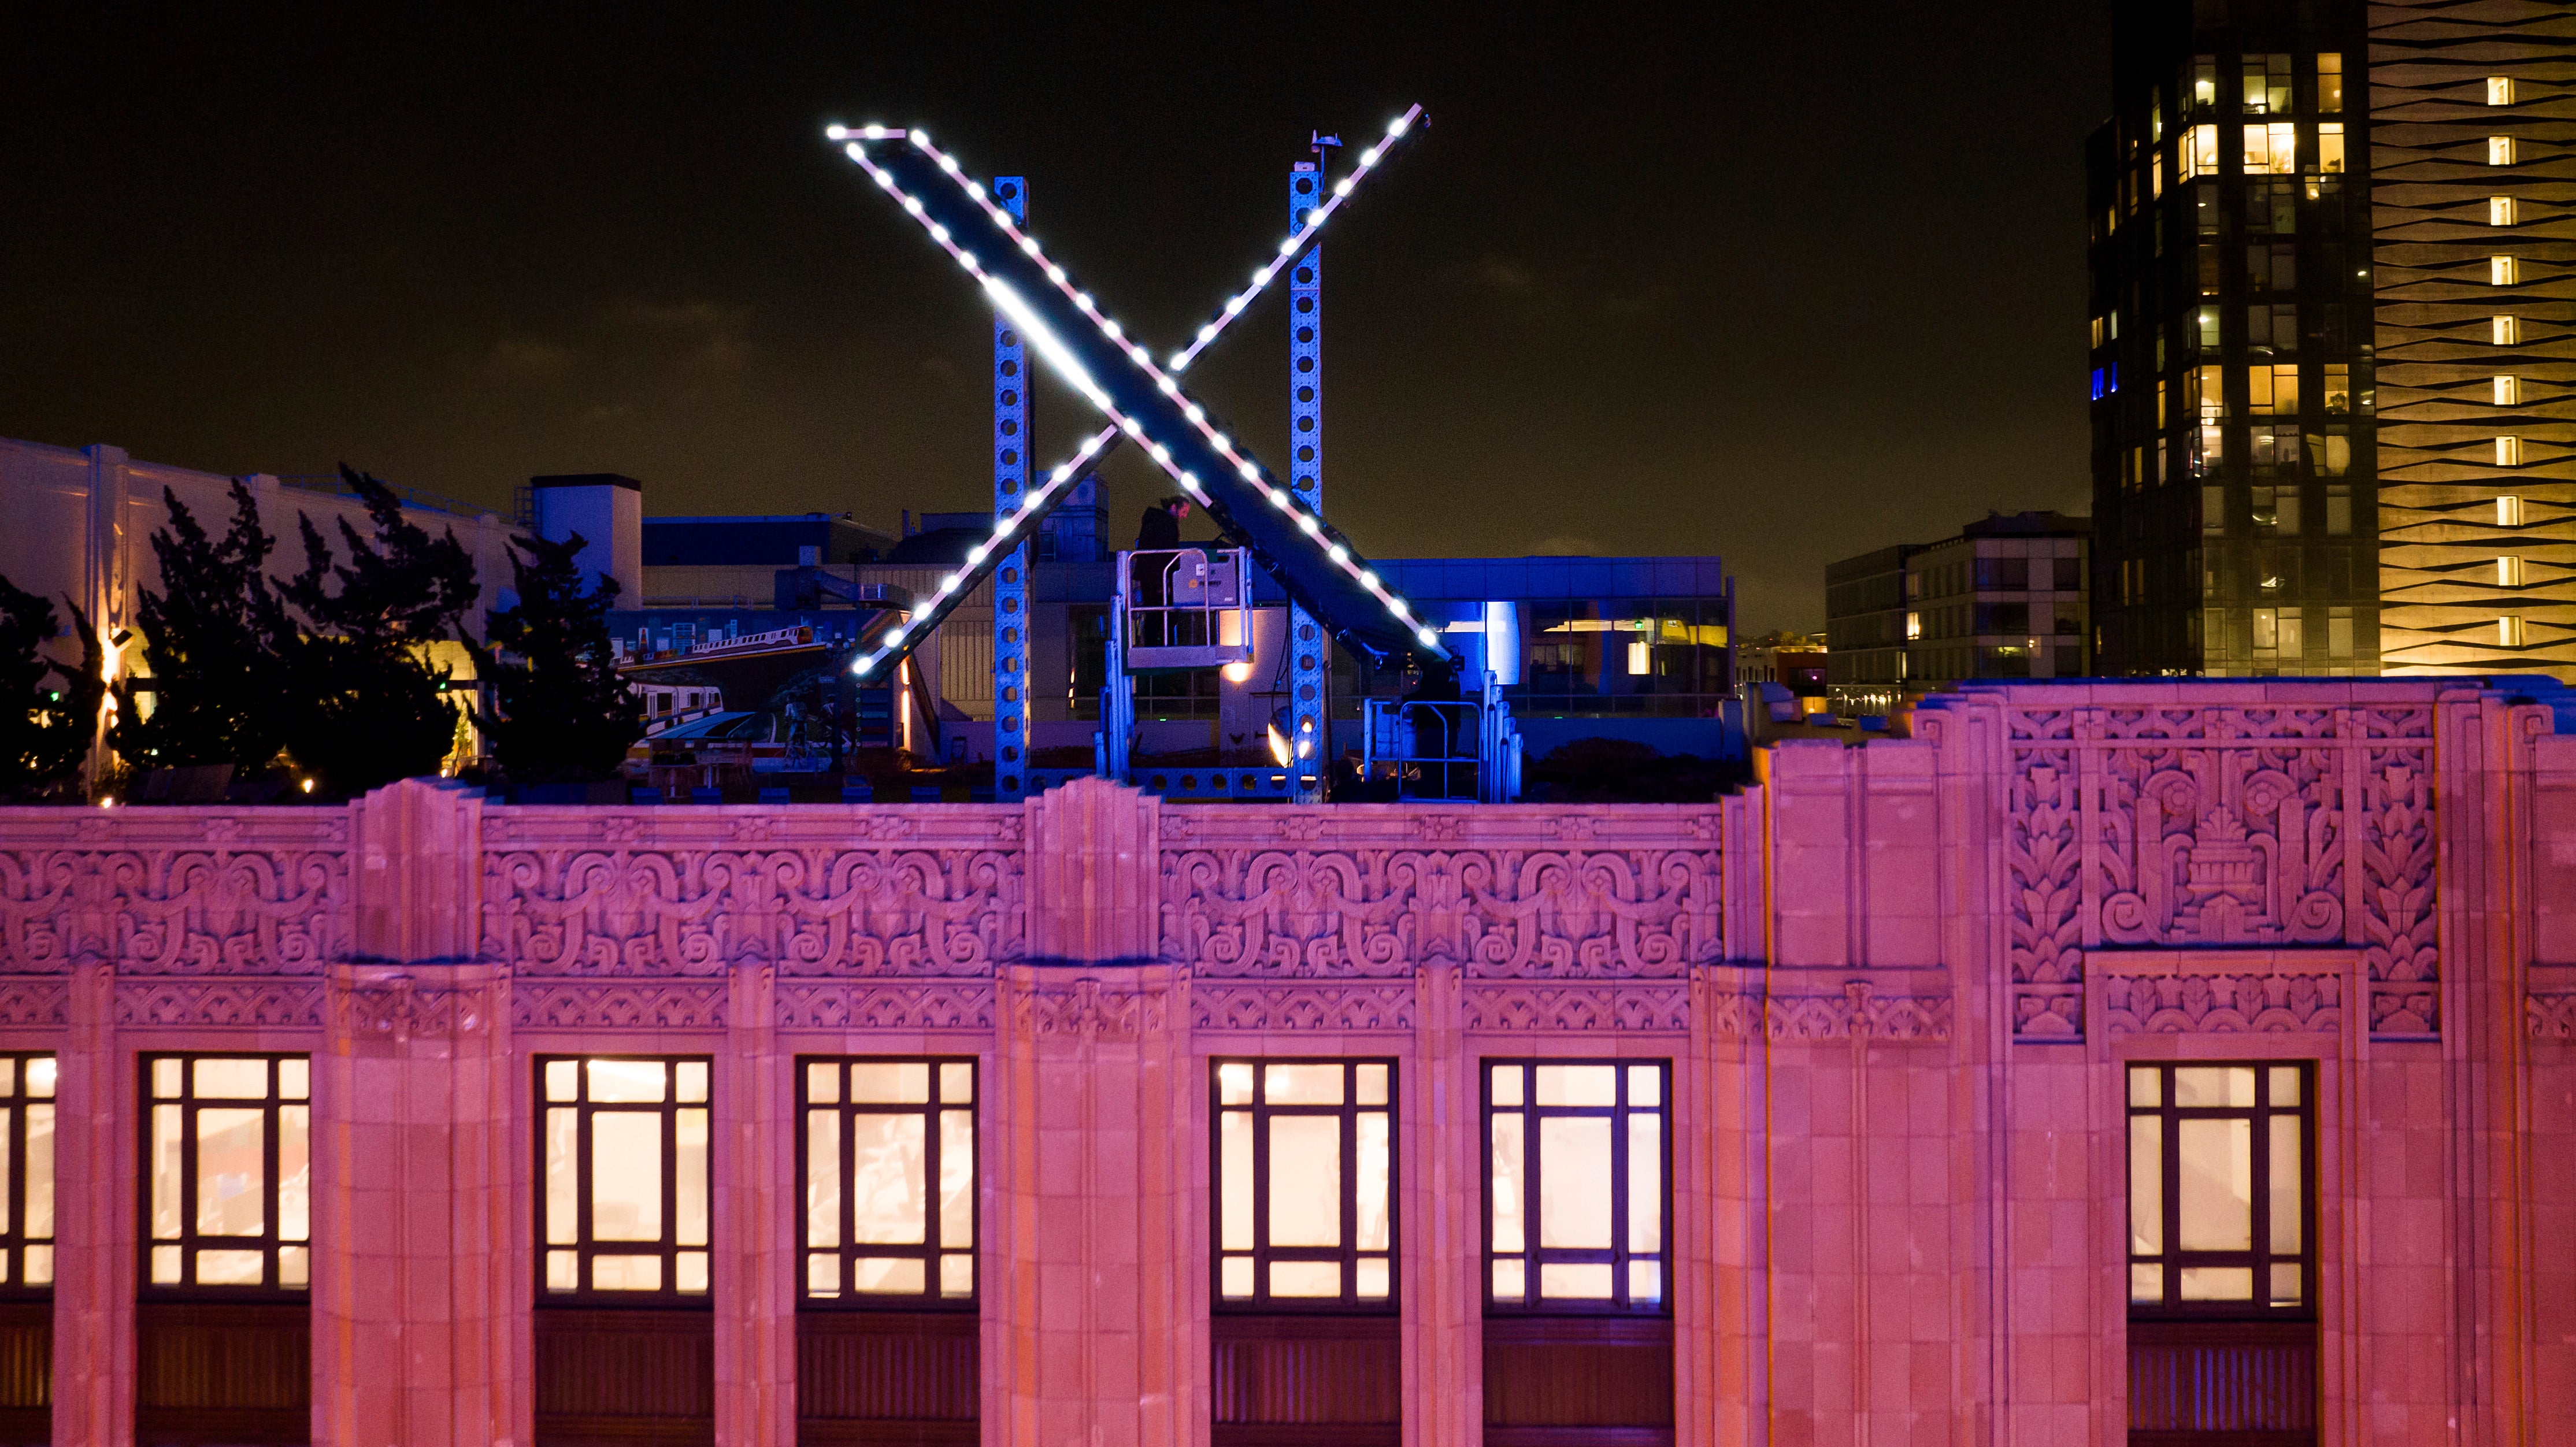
1088 350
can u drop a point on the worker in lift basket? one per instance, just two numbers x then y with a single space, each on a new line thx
1157 537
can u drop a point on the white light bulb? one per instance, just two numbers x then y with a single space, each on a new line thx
1060 474
1338 554
1128 425
1396 127
885 179
1261 277
1194 413
1368 158
919 138
1170 387
912 205
1109 329
1368 580
1429 638
836 132
1315 217
1396 607
863 665
1278 495
966 259
854 153
920 611
948 584
1143 358
1190 480
948 163
976 555
1345 188
1028 246
1162 454
894 635
1306 524
1287 246
1219 440
975 190
1234 306
1055 273
1253 474
1207 333
1082 299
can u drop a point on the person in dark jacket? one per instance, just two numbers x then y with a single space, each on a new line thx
1159 533
1161 529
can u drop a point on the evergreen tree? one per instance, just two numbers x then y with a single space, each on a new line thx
369 707
48 710
563 715
213 646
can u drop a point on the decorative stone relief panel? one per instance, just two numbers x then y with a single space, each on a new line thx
173 891
617 1005
2218 828
1508 892
576 893
35 1003
234 1003
1579 1008
2224 1004
1089 1008
1332 1007
848 1006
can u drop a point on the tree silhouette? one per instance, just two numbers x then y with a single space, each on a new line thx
48 710
563 714
368 707
214 647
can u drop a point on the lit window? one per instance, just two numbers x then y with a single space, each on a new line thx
2219 1188
2204 82
624 1160
2267 629
229 1153
2500 150
2508 451
2503 211
2330 148
1305 1182
1576 1165
2270 149
2338 398
2509 571
2508 391
889 1171
2206 389
1913 626
2508 511
2273 391
2499 90
2510 632
2097 331
2503 270
2507 331
2330 83
27 1171
2329 453
2207 323
2199 155
2267 84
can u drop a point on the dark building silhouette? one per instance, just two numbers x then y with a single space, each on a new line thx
2235 475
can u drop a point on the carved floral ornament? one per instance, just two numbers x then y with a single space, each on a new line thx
176 911
1644 914
2221 828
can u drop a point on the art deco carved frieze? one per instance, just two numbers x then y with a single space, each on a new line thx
624 895
2224 1003
850 1005
220 1004
557 1004
1578 1008
1332 1008
1507 893
2220 828
173 891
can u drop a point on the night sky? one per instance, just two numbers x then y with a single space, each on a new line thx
1777 282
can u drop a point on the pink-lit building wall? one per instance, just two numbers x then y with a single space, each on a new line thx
1896 984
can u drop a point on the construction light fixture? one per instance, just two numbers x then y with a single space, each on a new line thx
1051 348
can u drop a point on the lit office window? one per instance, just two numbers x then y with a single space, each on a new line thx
2508 511
2499 90
2199 153
2330 83
2508 391
2505 331
2219 1189
2503 211
2271 149
623 1154
1577 1185
2504 270
887 1156
2500 150
2267 84
26 1171
2510 632
228 1164
2509 572
2330 148
1305 1182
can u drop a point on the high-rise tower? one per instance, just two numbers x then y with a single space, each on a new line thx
2234 461
2473 109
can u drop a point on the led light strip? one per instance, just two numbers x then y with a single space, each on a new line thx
1041 338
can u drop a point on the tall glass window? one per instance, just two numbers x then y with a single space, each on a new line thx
2220 1199
1578 1202
26 1171
623 1154
227 1172
887 1155
1305 1182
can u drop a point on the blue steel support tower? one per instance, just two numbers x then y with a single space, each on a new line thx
1310 654
1011 439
